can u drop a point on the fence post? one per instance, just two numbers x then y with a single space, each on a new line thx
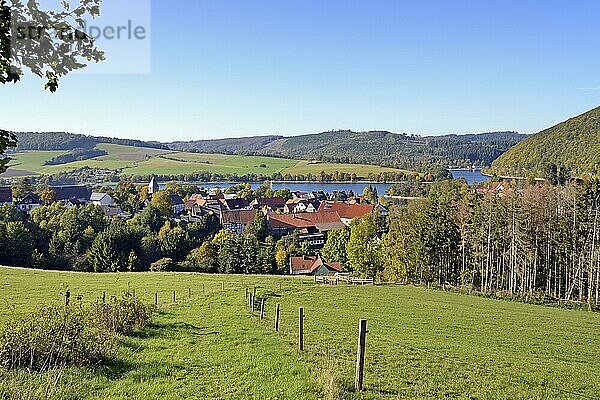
203 288
104 297
174 297
222 286
252 300
189 293
262 308
360 354
254 292
67 297
155 298
301 329
246 292
277 310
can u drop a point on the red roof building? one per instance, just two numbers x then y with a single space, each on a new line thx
313 265
347 212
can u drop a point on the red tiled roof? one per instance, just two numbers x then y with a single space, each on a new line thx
347 211
322 220
312 263
243 217
303 263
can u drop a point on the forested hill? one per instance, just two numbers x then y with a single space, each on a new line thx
374 147
70 141
574 144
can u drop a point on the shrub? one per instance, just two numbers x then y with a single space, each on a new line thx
163 265
52 337
122 315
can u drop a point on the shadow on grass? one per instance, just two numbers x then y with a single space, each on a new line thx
170 329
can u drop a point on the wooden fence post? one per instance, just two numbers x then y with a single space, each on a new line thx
155 298
262 308
104 297
301 329
203 288
189 293
277 310
174 297
246 292
67 297
252 300
360 354
222 286
254 292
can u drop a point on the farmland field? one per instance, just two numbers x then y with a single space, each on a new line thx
146 161
421 344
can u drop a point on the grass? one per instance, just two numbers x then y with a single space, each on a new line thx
422 344
145 161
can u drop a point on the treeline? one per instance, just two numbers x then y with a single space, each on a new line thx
84 239
76 155
68 141
537 240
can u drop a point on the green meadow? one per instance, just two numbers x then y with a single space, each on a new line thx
422 344
145 161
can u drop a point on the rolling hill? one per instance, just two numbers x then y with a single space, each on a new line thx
373 147
574 144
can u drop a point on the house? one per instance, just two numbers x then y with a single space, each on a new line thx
347 212
72 195
153 186
199 207
235 204
102 199
305 223
268 203
29 202
5 195
313 265
237 220
297 205
178 204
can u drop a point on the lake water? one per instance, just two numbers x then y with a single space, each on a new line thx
357 187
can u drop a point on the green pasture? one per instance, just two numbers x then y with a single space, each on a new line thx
422 344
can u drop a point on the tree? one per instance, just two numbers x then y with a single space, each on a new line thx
7 140
47 53
204 258
363 247
21 189
335 247
48 196
162 202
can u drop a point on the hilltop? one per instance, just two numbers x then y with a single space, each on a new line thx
574 144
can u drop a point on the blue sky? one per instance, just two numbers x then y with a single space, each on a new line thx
236 68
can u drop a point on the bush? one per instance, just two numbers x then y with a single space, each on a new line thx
163 265
123 315
53 337
75 335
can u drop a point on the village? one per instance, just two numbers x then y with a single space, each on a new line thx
308 217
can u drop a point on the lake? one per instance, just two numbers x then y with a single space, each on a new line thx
357 187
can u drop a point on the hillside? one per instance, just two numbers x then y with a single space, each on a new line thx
574 144
143 161
374 147
422 344
50 141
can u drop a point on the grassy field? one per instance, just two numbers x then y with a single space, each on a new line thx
422 344
145 161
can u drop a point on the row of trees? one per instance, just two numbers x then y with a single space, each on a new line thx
536 240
